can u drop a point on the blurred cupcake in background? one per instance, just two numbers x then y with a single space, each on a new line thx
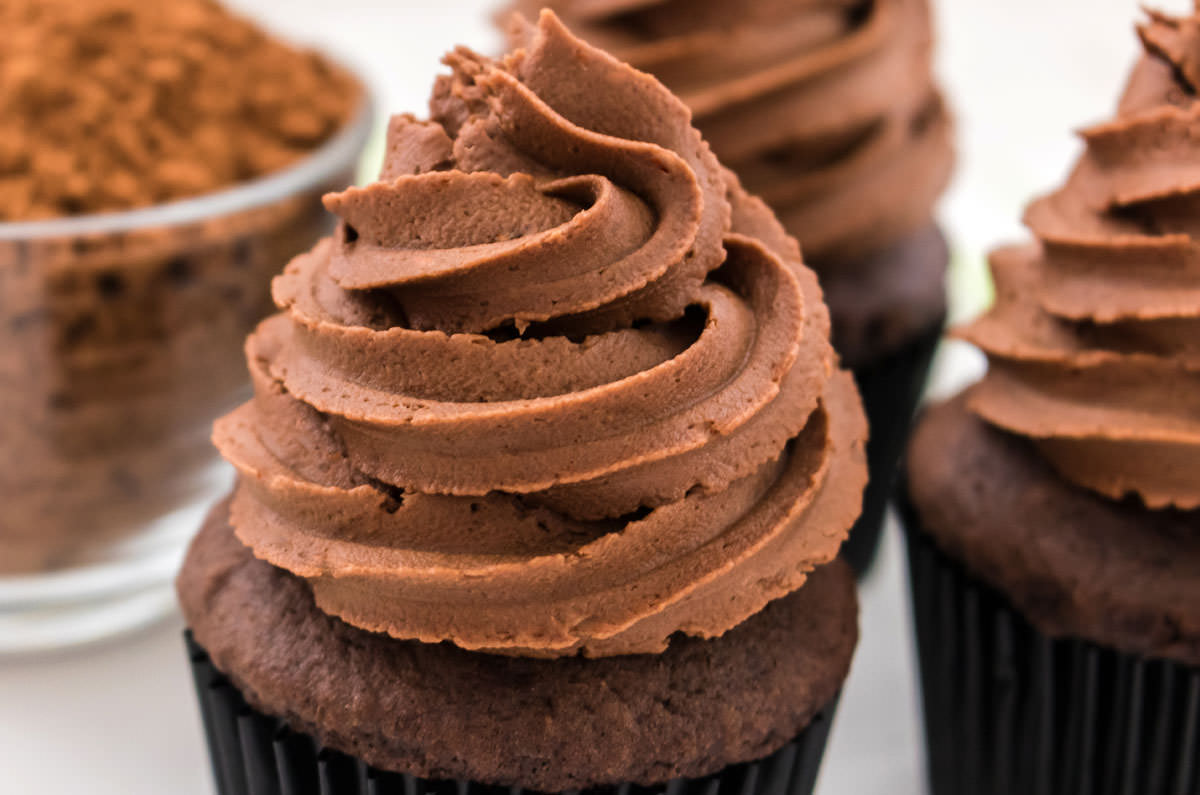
159 163
826 109
546 471
1053 507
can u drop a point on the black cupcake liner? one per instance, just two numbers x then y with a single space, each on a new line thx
256 754
1009 710
891 388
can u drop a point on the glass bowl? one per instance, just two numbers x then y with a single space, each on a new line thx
120 342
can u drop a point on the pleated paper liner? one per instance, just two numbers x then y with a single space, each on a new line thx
255 754
1009 710
891 388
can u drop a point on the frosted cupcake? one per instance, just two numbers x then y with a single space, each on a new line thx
1054 531
547 467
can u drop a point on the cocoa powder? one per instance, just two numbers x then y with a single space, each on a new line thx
115 104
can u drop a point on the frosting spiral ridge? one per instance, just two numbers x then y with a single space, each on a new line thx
1094 340
826 109
557 384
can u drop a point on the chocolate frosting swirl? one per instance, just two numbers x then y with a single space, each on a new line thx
557 385
1094 340
825 108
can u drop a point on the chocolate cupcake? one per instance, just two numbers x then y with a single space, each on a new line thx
1053 524
546 471
829 112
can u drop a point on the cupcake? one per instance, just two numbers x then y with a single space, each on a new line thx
829 112
1052 508
546 470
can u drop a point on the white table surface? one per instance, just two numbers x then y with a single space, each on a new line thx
119 718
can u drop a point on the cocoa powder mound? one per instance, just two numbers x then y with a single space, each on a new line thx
115 104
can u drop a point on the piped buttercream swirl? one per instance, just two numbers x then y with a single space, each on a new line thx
557 384
826 109
1094 341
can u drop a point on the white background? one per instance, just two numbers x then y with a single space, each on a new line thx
119 718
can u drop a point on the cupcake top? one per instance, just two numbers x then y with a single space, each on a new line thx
825 108
557 385
1094 340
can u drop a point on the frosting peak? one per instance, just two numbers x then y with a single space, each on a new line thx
825 108
1094 341
557 384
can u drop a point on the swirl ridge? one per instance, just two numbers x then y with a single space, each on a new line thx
557 385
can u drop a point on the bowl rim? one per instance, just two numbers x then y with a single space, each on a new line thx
323 163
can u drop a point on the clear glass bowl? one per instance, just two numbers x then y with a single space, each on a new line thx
120 342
